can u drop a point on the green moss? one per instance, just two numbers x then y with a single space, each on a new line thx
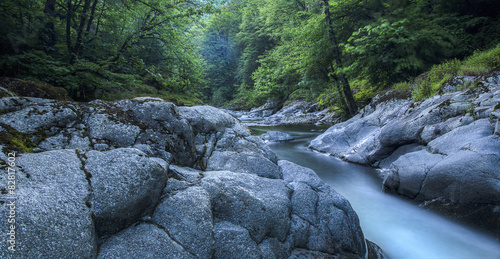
15 140
363 96
402 86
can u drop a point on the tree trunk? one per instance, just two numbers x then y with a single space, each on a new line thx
92 15
50 10
351 105
79 36
68 27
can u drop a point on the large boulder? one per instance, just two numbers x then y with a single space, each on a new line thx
260 205
358 139
145 121
50 205
126 186
325 221
234 215
224 143
460 166
207 119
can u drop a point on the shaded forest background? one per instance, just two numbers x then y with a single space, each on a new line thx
240 53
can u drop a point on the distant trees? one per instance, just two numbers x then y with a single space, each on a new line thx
284 49
242 52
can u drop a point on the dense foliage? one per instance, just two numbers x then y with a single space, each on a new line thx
284 51
240 52
104 48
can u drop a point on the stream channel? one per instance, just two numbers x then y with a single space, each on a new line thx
399 227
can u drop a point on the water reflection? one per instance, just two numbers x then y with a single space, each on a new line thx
402 229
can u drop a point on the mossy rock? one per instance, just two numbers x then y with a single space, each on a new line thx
14 140
34 89
389 95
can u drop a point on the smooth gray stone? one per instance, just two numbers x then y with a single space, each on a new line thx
126 186
143 241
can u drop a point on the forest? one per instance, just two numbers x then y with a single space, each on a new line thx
241 53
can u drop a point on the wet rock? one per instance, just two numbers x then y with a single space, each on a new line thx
276 136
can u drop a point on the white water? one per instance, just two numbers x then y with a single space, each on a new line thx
400 228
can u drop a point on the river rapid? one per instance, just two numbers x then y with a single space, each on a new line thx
399 227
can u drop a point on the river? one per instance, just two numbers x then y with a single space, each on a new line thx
400 228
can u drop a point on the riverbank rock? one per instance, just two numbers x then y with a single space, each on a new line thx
441 149
145 178
297 112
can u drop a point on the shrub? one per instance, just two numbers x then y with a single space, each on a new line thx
428 84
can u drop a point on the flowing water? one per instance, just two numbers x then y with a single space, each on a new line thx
400 228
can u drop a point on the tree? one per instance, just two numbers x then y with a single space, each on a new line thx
351 105
104 48
220 51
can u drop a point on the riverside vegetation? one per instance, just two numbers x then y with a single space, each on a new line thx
241 53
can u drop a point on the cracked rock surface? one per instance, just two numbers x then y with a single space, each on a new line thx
143 178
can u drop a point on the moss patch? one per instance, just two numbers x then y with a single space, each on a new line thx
15 140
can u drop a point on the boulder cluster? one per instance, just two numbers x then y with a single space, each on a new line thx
143 178
443 152
293 113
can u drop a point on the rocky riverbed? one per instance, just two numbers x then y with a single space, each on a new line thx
443 152
293 113
143 178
